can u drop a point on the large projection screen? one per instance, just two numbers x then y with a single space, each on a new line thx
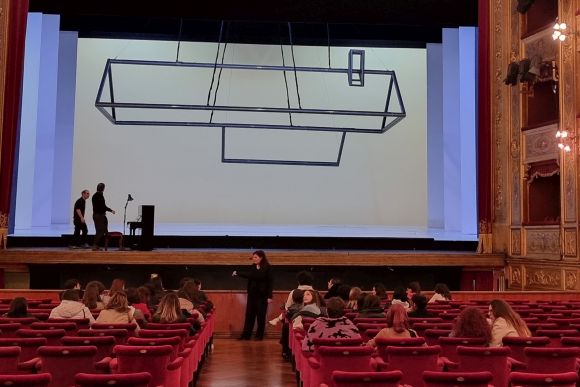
381 179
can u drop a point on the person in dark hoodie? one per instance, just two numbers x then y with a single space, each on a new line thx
371 307
333 286
72 307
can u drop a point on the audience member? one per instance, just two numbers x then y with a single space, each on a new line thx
442 293
92 296
419 308
71 308
18 308
505 322
72 283
414 287
333 285
138 300
400 297
380 290
118 311
353 295
156 289
118 284
343 292
397 325
305 281
472 323
168 310
371 307
335 326
185 302
311 308
198 299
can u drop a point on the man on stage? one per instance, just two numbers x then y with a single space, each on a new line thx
79 221
100 215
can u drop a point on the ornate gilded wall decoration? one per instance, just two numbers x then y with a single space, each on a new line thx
516 280
570 242
543 242
541 144
516 242
571 280
538 278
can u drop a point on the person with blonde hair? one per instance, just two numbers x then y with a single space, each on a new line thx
169 311
505 322
353 296
397 325
117 311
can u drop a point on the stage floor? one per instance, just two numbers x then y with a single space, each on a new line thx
217 230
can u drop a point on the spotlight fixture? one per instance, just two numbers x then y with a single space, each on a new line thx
559 31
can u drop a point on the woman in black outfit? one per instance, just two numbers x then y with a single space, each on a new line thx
259 294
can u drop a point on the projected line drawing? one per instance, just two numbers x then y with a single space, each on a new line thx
118 111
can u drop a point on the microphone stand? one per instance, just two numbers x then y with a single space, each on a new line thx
125 215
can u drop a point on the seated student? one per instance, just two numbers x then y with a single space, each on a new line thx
397 325
471 323
117 285
186 304
400 297
353 295
168 311
71 307
335 326
442 293
333 285
380 290
92 296
138 301
371 307
310 308
118 311
156 289
419 308
505 322
305 281
18 308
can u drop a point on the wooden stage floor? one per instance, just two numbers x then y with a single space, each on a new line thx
226 257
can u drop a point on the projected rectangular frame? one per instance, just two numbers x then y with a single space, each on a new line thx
393 89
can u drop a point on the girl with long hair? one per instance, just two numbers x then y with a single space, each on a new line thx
92 295
442 293
505 322
117 311
168 311
397 325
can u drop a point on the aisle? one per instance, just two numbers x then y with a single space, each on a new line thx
246 364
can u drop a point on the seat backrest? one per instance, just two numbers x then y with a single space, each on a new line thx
383 343
422 327
453 379
563 322
366 379
63 363
104 344
551 360
364 327
370 320
342 342
424 320
174 341
185 326
449 345
9 357
120 335
182 333
9 329
432 335
129 327
28 346
570 341
478 359
555 335
37 380
139 379
518 344
25 321
412 361
81 323
342 359
525 379
69 327
152 359
52 336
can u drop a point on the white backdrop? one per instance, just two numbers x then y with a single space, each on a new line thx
382 178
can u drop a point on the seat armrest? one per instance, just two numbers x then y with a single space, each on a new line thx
313 362
445 364
114 365
378 363
103 365
30 366
516 365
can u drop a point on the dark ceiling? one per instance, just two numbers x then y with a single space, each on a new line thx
409 23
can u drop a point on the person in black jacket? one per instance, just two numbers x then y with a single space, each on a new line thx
100 215
259 294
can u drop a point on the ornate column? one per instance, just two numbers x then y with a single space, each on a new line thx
13 15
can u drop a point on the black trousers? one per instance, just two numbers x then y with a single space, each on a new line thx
255 309
80 228
101 227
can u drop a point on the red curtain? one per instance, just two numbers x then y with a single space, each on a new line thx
17 16
484 189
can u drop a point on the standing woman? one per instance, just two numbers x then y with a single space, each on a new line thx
259 294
